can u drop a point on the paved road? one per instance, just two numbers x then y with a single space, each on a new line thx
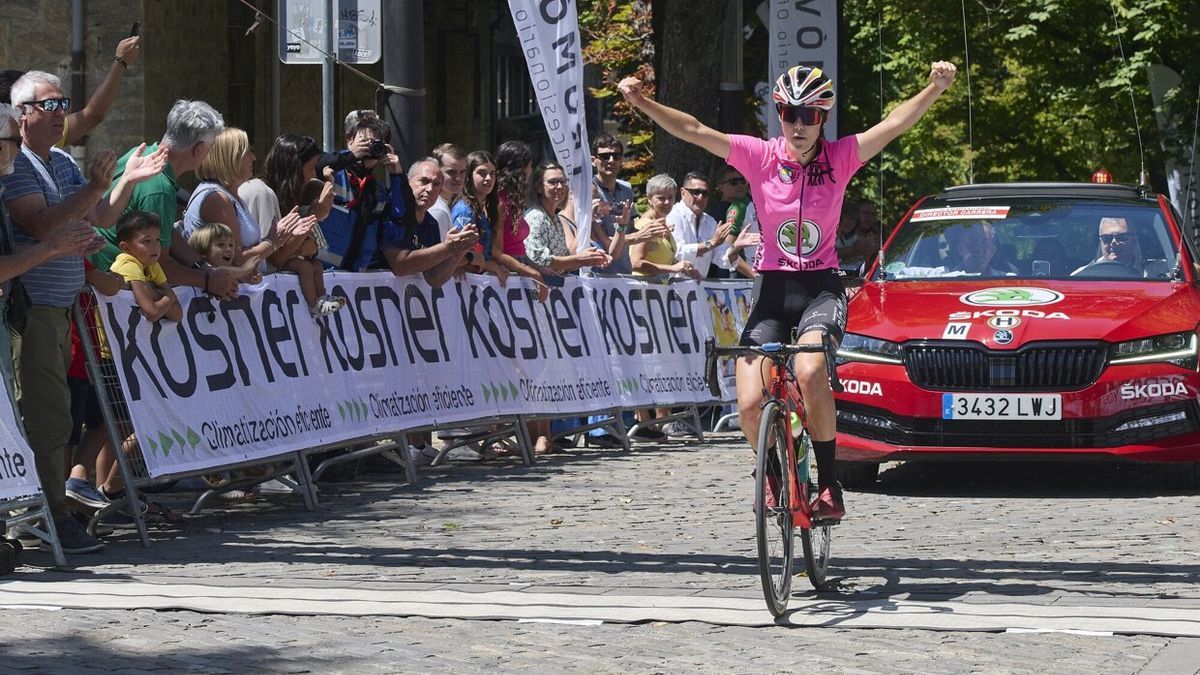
665 519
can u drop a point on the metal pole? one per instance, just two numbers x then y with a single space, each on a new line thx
404 66
733 91
327 78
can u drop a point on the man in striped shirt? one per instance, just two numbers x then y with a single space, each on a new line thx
47 191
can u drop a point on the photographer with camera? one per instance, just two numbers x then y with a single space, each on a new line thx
364 207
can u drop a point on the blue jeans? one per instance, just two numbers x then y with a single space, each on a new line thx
626 415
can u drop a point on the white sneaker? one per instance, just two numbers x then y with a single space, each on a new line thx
327 304
676 429
465 454
275 487
421 456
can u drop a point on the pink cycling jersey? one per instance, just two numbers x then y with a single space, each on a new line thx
778 185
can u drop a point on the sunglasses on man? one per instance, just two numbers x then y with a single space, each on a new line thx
696 192
807 116
52 104
608 156
1122 237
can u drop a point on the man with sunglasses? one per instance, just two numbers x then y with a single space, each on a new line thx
80 121
699 238
45 194
798 182
1117 244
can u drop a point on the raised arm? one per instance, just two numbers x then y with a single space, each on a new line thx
679 124
102 99
905 115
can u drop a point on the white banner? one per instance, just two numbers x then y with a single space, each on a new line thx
803 33
549 34
18 473
257 377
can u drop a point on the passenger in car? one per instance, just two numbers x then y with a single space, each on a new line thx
976 248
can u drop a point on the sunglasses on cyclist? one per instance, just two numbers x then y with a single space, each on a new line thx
52 104
809 117
1122 237
607 156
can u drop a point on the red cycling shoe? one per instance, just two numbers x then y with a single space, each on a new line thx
828 506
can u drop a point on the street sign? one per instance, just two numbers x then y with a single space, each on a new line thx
359 30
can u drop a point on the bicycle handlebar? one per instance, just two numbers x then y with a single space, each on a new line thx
777 352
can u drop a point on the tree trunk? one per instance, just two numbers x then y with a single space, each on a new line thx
687 66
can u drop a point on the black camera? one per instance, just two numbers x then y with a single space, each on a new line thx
377 150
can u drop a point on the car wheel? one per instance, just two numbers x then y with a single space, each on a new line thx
857 474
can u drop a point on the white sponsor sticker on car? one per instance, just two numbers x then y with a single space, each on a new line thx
1001 406
959 213
956 331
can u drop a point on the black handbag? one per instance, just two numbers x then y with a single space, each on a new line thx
18 306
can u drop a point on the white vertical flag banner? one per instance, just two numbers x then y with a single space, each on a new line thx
802 34
549 34
18 475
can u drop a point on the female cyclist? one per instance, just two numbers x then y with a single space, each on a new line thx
798 182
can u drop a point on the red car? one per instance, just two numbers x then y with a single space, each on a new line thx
1025 320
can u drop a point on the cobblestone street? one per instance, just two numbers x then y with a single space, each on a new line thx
664 520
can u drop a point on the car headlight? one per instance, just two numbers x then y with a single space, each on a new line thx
872 350
1176 348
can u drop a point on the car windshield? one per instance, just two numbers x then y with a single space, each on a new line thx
1032 238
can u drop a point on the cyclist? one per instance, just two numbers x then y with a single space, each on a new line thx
798 182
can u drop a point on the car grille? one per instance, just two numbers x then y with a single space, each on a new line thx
880 425
965 367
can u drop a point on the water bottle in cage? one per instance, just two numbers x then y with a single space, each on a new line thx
803 446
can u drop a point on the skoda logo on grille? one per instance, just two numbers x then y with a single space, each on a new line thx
1003 337
1014 296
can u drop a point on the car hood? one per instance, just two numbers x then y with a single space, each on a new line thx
1031 310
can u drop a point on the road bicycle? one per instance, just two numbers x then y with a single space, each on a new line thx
783 486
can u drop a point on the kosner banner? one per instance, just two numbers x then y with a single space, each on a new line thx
257 377
18 474
549 34
802 33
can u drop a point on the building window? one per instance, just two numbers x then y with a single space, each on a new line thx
514 91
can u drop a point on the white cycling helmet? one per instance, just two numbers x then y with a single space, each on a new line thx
804 86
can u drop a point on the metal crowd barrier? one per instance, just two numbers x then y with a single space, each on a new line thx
23 516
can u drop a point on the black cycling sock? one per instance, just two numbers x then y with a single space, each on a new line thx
824 451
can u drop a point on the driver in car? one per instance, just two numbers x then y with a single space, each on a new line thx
1117 244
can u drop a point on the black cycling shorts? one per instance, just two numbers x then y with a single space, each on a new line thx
804 301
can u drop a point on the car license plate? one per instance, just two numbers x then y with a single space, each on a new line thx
1001 407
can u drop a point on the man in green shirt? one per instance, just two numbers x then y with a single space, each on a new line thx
191 128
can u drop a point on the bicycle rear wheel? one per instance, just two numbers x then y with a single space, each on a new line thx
772 509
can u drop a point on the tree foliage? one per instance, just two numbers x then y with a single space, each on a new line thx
1050 92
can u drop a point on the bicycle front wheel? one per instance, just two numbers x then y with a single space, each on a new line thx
773 509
